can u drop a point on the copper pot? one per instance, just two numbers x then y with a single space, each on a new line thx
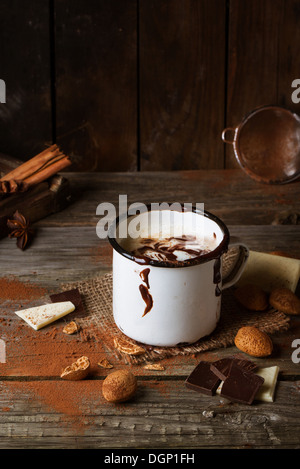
267 144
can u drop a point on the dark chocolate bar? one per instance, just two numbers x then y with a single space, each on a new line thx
202 379
221 368
241 385
71 295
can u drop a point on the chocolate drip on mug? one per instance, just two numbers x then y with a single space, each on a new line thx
144 274
147 298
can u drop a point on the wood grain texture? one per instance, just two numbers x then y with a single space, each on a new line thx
129 84
162 415
25 118
7 163
39 410
96 82
27 351
247 202
263 58
94 256
182 63
288 53
254 35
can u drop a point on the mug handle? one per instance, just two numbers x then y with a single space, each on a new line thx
233 135
240 264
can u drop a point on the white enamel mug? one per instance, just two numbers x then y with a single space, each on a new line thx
182 302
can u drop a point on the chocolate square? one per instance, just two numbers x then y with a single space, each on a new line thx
241 385
221 368
202 379
71 295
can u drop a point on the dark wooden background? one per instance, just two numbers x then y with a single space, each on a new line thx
127 85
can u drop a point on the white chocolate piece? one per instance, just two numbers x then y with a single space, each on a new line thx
269 271
266 391
41 316
218 390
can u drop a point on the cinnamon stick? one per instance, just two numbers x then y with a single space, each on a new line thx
38 169
12 187
48 171
34 165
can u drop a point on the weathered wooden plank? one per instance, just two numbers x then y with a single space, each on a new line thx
45 353
96 82
162 414
288 53
38 410
247 202
79 253
182 76
254 35
25 118
230 194
7 163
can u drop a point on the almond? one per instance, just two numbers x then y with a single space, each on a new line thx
104 363
285 300
119 386
252 297
251 340
71 328
126 346
78 370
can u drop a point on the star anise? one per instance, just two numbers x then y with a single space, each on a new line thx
19 228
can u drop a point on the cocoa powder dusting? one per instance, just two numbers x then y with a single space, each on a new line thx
76 402
40 356
43 354
13 289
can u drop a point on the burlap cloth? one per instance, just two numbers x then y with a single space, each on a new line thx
96 295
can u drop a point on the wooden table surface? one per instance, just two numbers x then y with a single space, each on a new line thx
163 414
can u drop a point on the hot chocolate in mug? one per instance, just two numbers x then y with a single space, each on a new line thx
167 274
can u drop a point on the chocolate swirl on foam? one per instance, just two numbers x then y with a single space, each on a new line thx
214 254
169 249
